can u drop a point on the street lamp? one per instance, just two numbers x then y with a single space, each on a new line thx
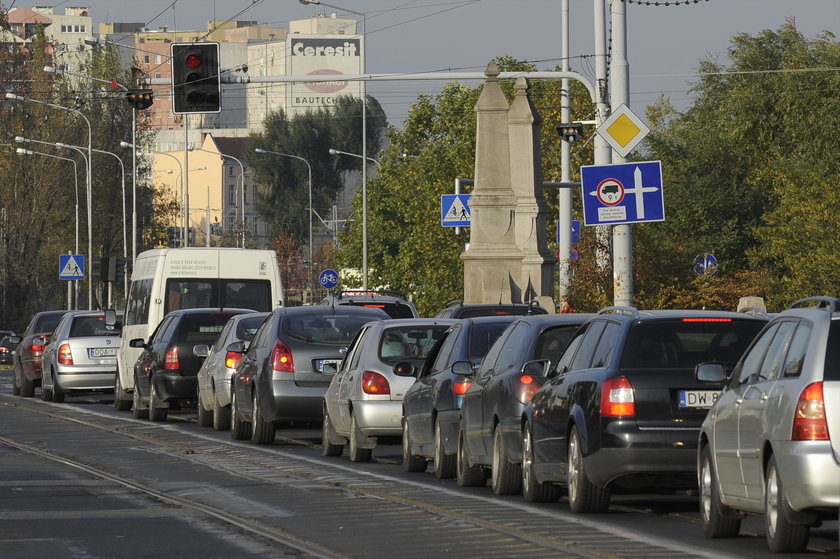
22 151
339 152
242 175
363 88
309 169
89 180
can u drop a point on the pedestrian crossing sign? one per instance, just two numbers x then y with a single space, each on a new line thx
455 210
71 266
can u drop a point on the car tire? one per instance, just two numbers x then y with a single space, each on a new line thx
718 521
239 429
262 431
27 387
46 393
157 411
506 476
783 536
137 408
410 461
466 475
584 496
532 490
57 393
221 416
444 463
205 418
121 400
357 454
327 433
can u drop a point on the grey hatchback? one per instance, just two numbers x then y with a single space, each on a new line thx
766 444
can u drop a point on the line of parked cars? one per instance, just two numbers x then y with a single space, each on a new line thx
736 407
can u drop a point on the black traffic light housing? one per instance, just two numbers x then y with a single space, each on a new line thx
107 269
196 85
140 98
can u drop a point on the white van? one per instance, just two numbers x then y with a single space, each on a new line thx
168 279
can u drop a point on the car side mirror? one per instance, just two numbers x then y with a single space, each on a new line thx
713 373
201 350
537 368
236 347
137 342
464 368
39 340
404 369
15 340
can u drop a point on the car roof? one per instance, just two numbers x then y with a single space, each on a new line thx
326 309
632 313
396 322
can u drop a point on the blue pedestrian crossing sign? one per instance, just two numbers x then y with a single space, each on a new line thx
71 266
455 210
622 193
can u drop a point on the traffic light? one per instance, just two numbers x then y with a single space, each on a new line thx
120 268
107 269
196 86
173 235
140 98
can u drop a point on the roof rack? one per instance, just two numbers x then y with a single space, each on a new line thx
453 303
371 293
828 303
755 311
632 312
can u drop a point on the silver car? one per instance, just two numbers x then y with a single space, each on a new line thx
219 365
81 355
364 399
771 442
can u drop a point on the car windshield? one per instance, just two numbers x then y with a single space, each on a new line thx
685 342
335 328
409 342
84 326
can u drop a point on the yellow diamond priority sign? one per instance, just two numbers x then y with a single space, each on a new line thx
623 130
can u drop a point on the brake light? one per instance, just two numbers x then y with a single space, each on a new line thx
809 423
370 306
708 319
375 383
617 399
65 356
281 358
170 360
232 358
460 387
525 386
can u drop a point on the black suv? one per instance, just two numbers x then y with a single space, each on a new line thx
457 309
394 303
622 409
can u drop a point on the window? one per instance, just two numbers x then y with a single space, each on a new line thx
772 367
231 222
583 357
553 341
157 75
606 345
137 307
442 361
751 364
518 340
255 232
255 194
796 353
231 195
146 59
230 171
157 59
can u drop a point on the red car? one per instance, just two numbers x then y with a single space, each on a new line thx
26 362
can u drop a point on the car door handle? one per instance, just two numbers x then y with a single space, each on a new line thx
739 401
765 396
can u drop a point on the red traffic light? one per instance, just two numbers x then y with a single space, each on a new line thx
192 61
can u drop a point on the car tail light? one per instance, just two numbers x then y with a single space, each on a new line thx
525 386
281 358
809 423
232 359
375 383
617 398
170 360
459 388
65 356
706 319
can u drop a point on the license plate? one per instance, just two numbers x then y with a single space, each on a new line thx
701 399
322 362
97 352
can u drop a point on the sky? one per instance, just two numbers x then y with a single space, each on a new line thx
665 43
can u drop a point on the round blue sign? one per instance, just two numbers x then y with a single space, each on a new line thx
705 264
328 279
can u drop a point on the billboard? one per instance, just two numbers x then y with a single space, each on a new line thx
315 55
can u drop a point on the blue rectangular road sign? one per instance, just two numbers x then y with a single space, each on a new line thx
455 210
71 266
622 193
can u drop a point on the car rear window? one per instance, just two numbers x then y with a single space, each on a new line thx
685 342
832 352
91 326
335 328
47 323
502 310
202 328
409 342
394 310
482 337
247 327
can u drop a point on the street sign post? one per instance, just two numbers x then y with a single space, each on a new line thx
71 266
623 193
455 210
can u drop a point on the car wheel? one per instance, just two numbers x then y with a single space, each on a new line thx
533 490
465 474
239 430
57 393
262 431
584 496
328 433
121 400
157 411
506 476
783 536
357 454
221 416
444 463
205 417
137 408
27 387
46 393
718 522
410 461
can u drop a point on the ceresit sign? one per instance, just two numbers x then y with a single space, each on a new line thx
311 55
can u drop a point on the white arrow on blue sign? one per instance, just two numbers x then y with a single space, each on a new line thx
455 210
622 193
71 266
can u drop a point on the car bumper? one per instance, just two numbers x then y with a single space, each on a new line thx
171 386
93 380
809 472
290 402
378 418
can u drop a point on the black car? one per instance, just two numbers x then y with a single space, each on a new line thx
457 309
432 406
7 349
281 377
165 372
490 434
622 409
395 303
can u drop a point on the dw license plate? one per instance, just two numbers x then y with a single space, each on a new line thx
98 352
701 399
